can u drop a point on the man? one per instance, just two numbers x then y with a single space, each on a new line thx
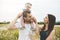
28 18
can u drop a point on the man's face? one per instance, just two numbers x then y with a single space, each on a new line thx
28 6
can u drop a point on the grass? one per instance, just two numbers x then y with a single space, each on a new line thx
8 34
57 33
3 25
13 34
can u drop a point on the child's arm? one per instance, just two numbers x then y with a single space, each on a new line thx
12 23
18 16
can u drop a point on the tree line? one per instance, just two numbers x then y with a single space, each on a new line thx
57 23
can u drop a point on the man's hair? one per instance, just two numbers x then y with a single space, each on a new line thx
25 13
29 4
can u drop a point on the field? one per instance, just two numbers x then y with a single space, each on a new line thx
13 34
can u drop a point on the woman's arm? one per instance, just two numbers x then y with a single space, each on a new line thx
38 29
12 23
51 36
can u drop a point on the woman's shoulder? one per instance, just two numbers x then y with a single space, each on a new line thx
53 31
51 36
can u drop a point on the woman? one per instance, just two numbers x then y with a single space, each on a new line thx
47 31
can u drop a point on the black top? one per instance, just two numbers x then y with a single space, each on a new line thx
43 35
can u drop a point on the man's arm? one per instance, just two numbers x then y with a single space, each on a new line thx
18 16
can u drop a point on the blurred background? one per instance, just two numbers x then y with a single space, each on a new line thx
40 8
10 8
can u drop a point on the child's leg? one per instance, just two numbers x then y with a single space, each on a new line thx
32 25
22 22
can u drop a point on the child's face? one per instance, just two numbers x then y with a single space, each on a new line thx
28 6
28 16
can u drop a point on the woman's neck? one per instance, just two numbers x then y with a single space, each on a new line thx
46 27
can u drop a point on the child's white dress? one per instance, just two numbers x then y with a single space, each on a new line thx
24 33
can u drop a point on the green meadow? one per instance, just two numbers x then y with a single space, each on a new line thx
13 34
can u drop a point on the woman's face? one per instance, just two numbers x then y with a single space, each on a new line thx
46 20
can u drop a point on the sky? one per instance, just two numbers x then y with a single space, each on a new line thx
40 8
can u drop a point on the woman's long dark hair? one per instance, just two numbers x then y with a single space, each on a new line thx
51 24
